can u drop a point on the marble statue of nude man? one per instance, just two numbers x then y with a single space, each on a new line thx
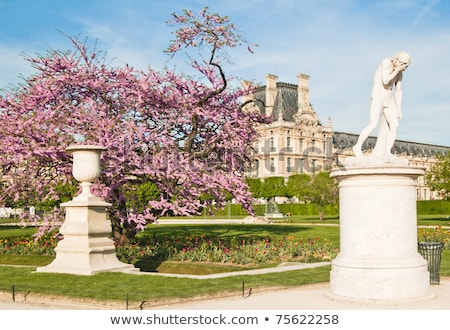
386 103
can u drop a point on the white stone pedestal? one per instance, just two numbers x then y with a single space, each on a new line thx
378 257
85 248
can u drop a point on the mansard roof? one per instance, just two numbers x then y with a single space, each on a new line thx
286 101
343 141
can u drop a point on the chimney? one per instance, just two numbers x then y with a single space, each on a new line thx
303 90
271 92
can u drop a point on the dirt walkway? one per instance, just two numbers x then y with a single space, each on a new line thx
313 297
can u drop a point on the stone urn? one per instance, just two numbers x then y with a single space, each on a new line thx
86 166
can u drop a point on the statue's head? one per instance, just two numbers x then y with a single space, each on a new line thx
401 60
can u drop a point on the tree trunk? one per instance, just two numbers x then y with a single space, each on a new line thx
122 232
321 209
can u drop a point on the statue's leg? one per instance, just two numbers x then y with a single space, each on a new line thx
374 117
380 146
391 116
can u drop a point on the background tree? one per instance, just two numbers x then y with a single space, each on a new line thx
438 177
188 136
323 190
273 186
298 186
255 187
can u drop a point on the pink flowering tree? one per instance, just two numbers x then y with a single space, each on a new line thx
187 138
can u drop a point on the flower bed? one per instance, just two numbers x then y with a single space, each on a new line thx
29 246
241 251
436 234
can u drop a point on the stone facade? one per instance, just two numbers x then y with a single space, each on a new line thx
297 141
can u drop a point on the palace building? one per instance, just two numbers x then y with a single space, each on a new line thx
297 141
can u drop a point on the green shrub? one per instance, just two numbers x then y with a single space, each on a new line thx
294 209
423 208
308 209
433 207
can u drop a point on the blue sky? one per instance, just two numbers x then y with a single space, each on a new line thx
339 43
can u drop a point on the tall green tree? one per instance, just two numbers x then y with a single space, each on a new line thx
298 186
273 186
255 187
438 177
323 190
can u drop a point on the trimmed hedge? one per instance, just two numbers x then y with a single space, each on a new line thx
308 209
423 208
294 209
433 207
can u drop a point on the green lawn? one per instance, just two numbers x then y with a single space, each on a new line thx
445 263
430 220
116 286
433 220
226 231
16 231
